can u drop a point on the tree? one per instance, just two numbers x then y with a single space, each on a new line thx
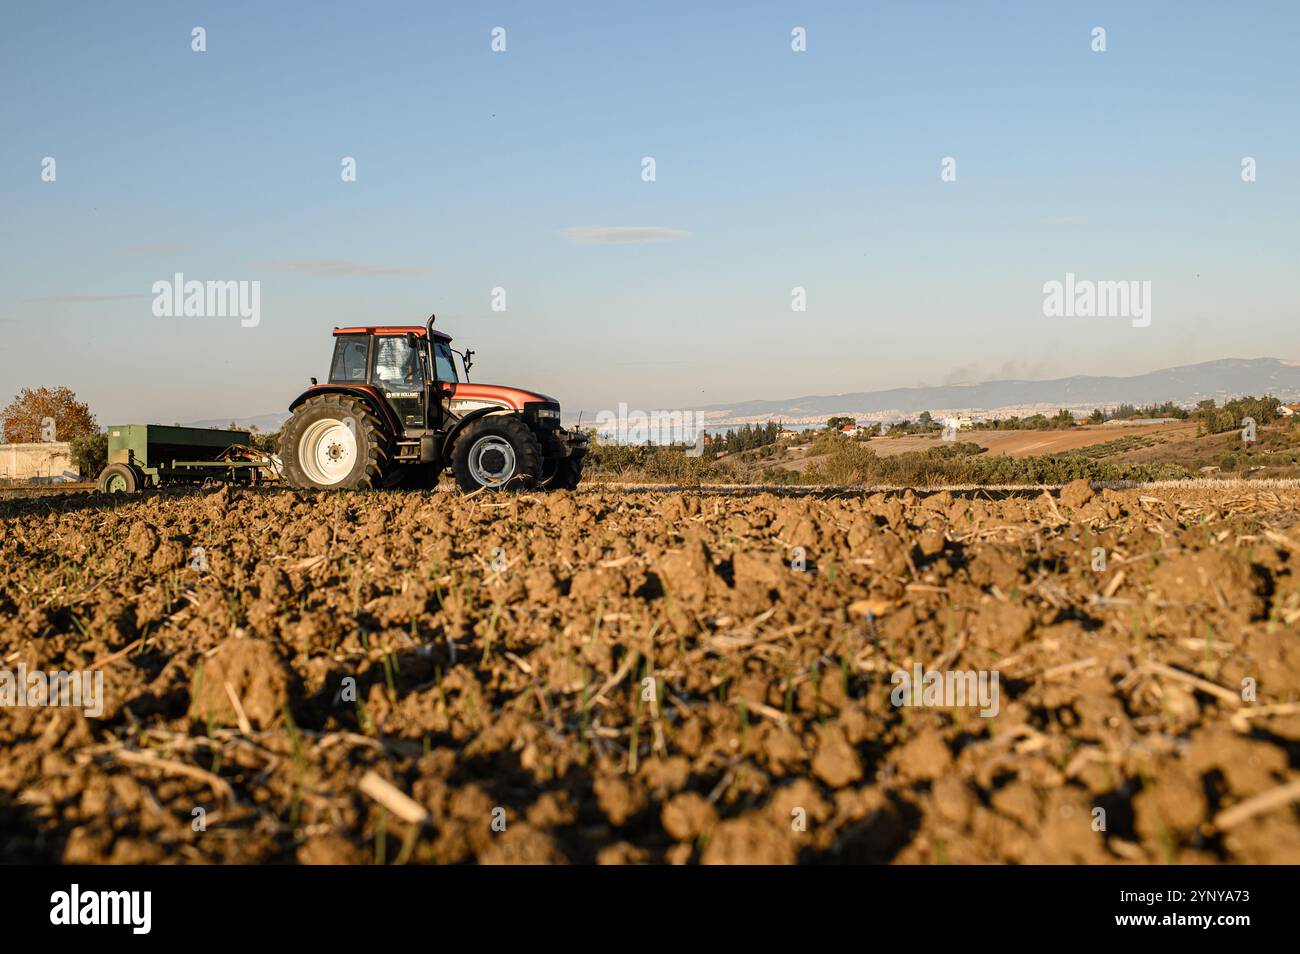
835 423
90 453
24 420
1234 413
1096 417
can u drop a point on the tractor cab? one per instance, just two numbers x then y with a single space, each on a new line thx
395 362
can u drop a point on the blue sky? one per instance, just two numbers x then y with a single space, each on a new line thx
818 169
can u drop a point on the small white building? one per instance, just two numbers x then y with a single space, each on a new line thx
41 463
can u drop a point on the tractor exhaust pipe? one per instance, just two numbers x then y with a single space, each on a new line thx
428 327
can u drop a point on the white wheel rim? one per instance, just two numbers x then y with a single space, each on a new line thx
328 451
491 461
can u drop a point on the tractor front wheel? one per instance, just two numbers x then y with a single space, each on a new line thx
334 442
563 473
496 452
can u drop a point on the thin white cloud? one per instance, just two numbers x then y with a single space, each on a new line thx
343 268
622 234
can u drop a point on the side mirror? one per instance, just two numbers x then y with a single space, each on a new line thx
469 360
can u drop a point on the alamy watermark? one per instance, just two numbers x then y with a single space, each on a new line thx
637 428
1085 298
80 689
947 688
181 299
130 908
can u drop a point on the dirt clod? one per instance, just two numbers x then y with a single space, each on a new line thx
1076 493
253 672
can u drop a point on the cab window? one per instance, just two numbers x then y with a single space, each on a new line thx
397 364
446 367
350 355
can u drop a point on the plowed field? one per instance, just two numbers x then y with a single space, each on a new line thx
655 677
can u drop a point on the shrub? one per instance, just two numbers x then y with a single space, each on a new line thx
958 464
268 443
90 453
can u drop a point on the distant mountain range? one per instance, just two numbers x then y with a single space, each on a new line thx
1220 380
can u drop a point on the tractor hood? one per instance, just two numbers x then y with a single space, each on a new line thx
464 397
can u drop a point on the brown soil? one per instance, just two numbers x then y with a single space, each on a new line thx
646 678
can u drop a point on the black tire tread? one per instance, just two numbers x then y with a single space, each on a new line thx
528 450
567 475
379 469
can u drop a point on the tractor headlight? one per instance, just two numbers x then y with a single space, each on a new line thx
548 414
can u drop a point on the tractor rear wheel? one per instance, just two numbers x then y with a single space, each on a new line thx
496 452
335 442
120 479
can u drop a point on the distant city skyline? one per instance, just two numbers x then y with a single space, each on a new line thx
915 178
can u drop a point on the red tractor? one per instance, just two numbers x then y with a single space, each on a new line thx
395 412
